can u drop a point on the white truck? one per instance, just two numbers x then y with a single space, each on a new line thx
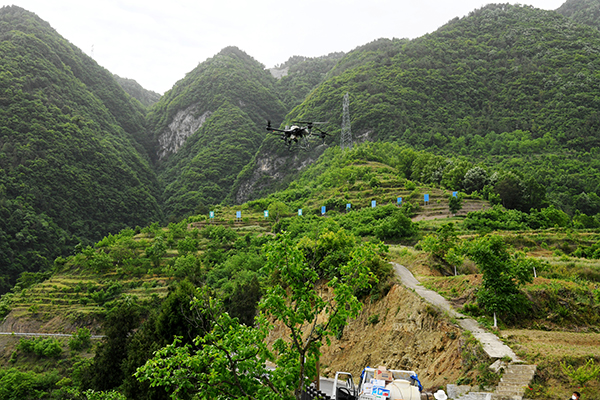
396 385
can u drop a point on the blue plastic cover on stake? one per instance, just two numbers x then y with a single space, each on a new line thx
322 210
299 211
211 214
399 200
426 197
373 203
266 213
238 214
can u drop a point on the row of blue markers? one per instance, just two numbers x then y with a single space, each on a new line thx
238 214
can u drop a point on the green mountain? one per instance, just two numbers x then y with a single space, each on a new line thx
203 170
585 12
509 85
73 166
501 105
135 90
298 76
502 68
209 126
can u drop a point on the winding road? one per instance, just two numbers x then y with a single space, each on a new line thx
492 345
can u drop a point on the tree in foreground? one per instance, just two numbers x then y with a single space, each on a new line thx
295 300
230 361
503 275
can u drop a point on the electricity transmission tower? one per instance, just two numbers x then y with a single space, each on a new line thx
346 141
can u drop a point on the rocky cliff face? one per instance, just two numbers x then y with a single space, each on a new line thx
269 168
184 124
265 172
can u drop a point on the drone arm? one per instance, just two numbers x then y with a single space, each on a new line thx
270 129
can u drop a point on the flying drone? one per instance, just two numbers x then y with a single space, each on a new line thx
299 135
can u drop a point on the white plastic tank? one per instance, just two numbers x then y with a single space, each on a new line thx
401 389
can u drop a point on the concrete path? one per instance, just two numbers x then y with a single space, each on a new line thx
46 334
490 342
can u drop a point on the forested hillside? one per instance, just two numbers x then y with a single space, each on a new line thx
73 166
582 11
508 85
299 75
205 279
202 171
209 126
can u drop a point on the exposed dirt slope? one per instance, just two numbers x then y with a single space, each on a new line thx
410 335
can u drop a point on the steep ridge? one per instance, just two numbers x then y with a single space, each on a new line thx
42 43
213 121
72 164
204 168
230 76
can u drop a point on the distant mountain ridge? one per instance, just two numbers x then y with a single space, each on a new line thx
135 90
298 76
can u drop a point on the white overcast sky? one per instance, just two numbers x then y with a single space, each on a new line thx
158 42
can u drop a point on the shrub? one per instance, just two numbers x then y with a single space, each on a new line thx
82 339
335 203
17 385
48 347
26 345
187 245
581 375
396 226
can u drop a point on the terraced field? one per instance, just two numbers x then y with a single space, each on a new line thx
79 294
65 302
